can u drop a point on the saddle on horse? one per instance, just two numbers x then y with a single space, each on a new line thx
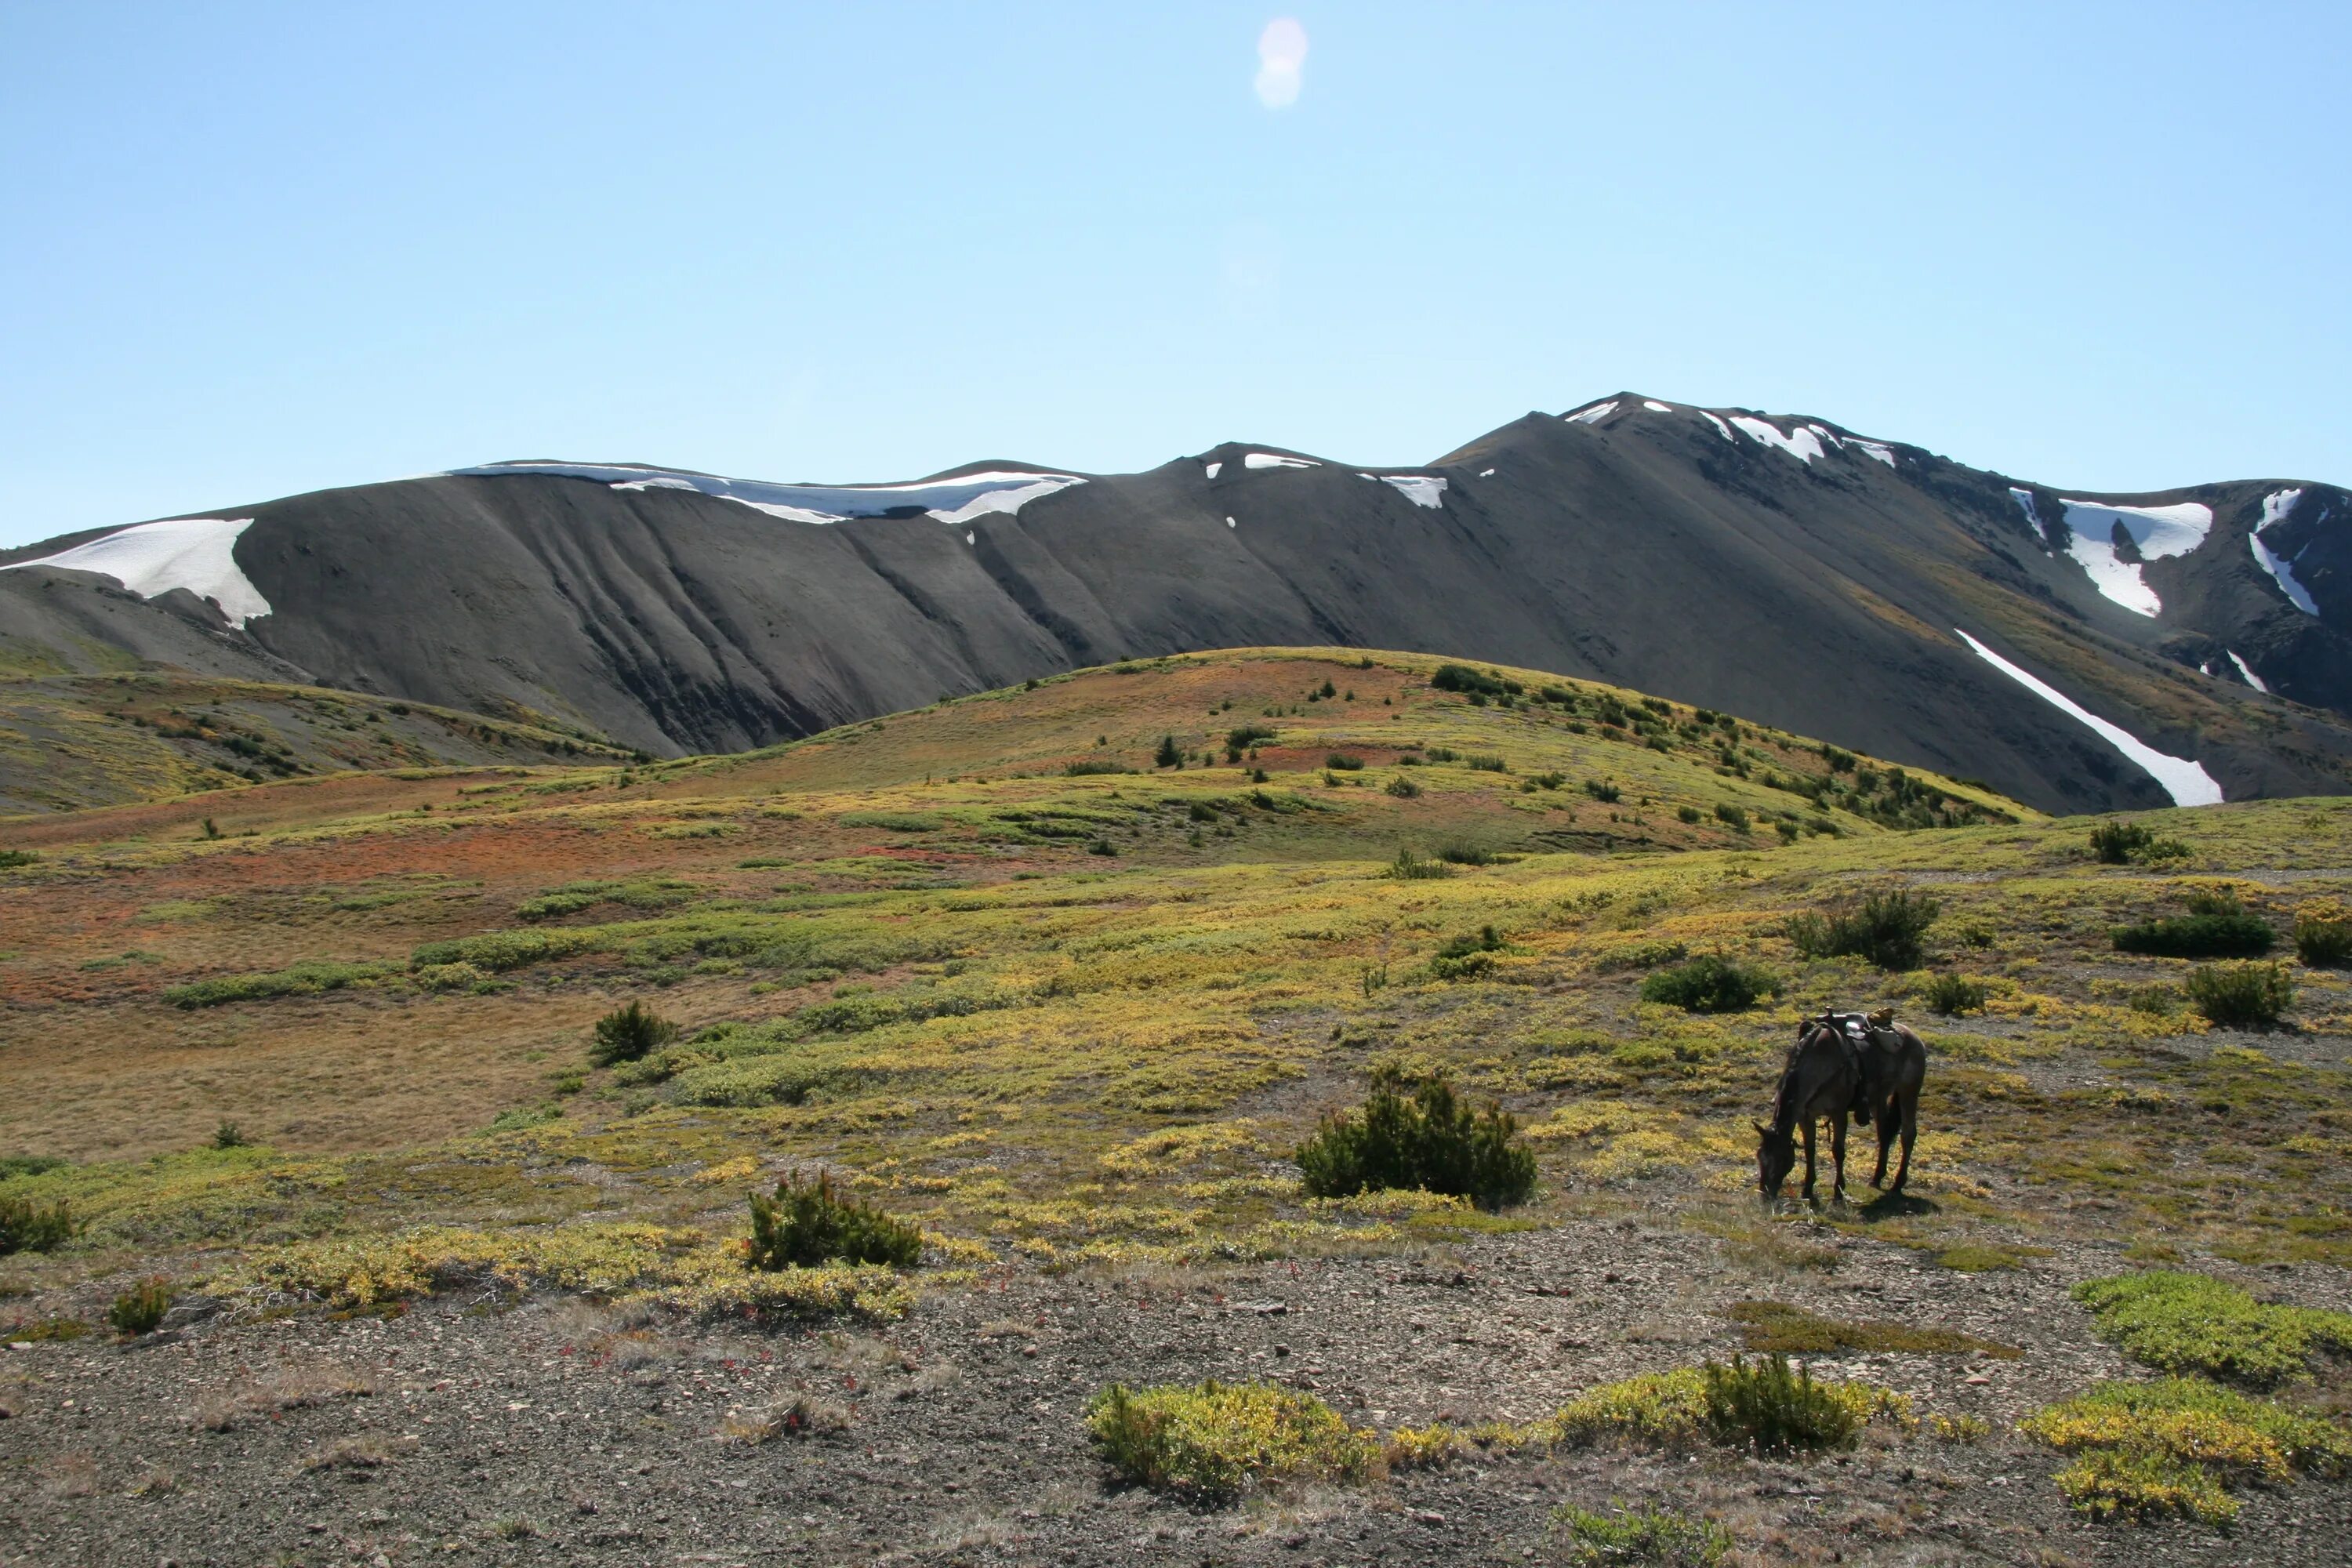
1865 1037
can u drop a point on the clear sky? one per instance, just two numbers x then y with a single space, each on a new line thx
249 250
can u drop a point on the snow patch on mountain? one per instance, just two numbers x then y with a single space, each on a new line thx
2024 499
1421 490
1655 407
1877 450
1277 460
1215 469
1802 443
1721 429
956 499
1592 416
2183 778
2251 679
2275 508
151 558
2156 531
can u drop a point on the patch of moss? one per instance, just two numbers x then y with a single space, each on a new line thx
1776 1327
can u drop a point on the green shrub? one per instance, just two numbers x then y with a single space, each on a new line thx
1344 762
1641 955
1463 678
1733 817
1213 1441
1402 787
1460 854
630 1034
2217 926
1093 766
2121 843
806 1225
1886 926
1465 957
1409 866
139 1310
1486 764
1764 1406
495 951
11 859
1954 993
2181 1323
1649 1538
1711 983
1425 1140
2322 932
306 978
1687 814
2178 1444
29 1226
1248 735
1603 791
2241 995
1169 755
228 1135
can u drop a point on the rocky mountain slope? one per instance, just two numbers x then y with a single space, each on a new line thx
2076 651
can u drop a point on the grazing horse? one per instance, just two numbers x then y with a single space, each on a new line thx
1823 1076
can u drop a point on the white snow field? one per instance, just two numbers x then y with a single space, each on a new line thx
2275 508
1277 460
1216 469
1421 490
1655 407
2157 531
1802 443
1721 429
2251 679
1592 416
1879 451
152 558
958 499
2183 778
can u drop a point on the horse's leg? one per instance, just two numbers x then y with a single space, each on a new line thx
1837 1155
1910 1131
1887 1115
1809 1159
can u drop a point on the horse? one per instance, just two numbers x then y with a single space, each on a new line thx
1823 1078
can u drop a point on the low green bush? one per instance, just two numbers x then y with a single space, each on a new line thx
29 1226
1950 994
1687 814
1765 1405
1091 767
11 859
1603 791
306 978
1463 678
2241 995
2182 1322
2178 1445
807 1224
1409 866
2217 926
629 1033
141 1308
1732 816
1643 1538
1888 926
1344 762
1402 788
1418 1136
2129 843
2322 933
1462 853
1466 957
1711 983
1213 1441
1485 765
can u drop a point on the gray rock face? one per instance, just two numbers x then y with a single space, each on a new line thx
1780 569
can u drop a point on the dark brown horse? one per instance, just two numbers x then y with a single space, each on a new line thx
1825 1077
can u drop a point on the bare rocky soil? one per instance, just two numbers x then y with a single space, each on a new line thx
557 1430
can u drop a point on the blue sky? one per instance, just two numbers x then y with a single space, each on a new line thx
250 250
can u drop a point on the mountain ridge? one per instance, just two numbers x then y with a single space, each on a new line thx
1783 567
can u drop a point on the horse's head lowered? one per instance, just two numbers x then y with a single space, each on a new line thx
1776 1155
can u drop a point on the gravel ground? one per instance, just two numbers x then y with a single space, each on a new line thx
558 1430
